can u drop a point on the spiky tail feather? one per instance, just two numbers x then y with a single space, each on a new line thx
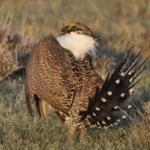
117 88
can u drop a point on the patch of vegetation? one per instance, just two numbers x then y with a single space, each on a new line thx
23 23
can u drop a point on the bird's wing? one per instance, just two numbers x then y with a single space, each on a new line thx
57 74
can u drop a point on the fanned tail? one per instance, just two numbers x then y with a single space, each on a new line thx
117 88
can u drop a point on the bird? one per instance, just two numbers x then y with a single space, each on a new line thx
61 79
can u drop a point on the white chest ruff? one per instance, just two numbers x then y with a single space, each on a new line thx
78 44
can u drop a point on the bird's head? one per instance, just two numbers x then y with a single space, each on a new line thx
78 28
79 39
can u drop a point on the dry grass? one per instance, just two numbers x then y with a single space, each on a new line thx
140 132
23 23
14 52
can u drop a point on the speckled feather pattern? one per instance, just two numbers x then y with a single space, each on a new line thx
72 87
56 77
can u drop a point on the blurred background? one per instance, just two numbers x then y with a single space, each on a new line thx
23 23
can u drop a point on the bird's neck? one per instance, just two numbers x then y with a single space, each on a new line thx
79 45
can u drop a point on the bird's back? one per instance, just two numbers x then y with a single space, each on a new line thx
55 76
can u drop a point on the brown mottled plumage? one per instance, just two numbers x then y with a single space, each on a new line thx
59 80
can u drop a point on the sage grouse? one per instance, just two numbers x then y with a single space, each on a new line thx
61 77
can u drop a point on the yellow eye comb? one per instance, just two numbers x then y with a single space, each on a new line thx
71 25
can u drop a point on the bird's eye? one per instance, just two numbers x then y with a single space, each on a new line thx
63 30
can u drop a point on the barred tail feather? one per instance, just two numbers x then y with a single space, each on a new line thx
117 88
